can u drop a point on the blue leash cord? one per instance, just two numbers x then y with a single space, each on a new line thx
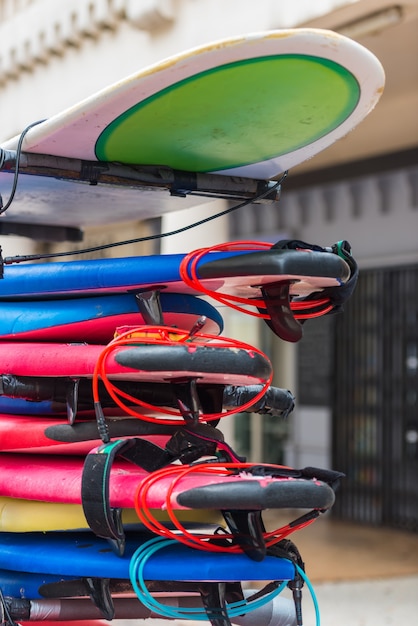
136 575
313 595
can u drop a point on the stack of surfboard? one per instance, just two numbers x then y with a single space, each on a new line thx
74 463
115 376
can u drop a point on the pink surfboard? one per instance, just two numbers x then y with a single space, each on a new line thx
208 363
49 435
49 478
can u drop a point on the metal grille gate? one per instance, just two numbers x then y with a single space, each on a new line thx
375 400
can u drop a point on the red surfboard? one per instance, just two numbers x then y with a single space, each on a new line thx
210 363
49 478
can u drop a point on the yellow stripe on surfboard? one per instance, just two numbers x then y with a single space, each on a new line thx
18 515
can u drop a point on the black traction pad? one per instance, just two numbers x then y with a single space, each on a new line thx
255 494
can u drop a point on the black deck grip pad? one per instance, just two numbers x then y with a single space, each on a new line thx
193 358
254 494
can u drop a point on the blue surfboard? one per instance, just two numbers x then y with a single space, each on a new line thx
310 270
285 282
17 584
94 319
35 600
77 555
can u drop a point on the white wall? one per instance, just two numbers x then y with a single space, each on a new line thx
377 214
53 53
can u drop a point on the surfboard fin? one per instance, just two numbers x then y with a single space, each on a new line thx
149 304
282 321
247 528
72 400
99 592
188 401
214 602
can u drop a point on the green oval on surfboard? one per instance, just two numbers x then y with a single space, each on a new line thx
267 107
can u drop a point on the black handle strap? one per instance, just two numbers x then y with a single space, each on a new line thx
103 519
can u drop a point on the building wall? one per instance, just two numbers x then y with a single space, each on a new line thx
55 53
378 215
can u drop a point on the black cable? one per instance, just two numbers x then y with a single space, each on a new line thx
38 257
4 208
